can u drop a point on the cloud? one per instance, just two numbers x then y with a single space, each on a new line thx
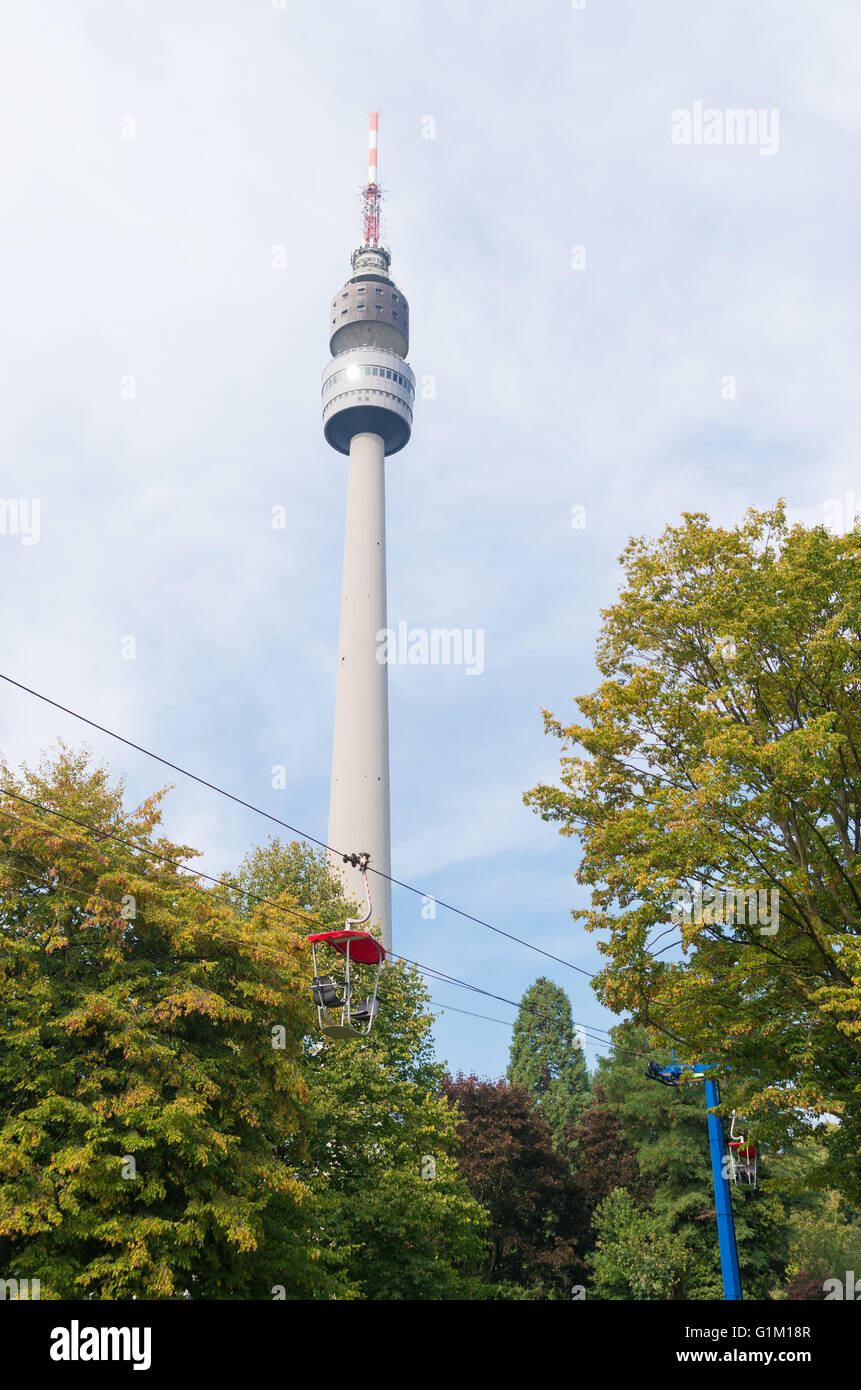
151 258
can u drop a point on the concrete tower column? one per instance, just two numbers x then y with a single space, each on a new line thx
359 801
369 391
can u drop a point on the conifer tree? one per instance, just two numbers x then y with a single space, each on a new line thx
546 1057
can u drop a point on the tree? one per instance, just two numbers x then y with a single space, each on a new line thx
546 1057
143 1102
805 1287
722 757
633 1257
392 1219
383 1158
604 1158
508 1160
296 869
824 1230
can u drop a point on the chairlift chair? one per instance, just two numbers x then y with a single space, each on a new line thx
338 1014
742 1156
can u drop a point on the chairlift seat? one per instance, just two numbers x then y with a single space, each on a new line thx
325 992
365 1011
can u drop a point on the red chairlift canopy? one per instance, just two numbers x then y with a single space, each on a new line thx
363 947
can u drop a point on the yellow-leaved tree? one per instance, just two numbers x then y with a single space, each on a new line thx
715 785
149 1073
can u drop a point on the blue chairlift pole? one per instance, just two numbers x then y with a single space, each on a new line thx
670 1076
723 1198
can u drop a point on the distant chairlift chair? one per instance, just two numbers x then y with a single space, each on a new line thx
742 1157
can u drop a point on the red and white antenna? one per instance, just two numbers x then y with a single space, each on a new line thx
372 148
371 193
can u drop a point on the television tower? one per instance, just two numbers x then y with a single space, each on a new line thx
368 395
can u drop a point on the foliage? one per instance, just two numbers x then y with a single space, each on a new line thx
512 1169
300 871
824 1231
143 1103
634 1258
723 752
546 1057
603 1159
805 1287
383 1153
151 1018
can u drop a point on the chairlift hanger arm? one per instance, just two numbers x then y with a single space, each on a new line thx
361 862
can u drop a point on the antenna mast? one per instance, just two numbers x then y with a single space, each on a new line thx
371 194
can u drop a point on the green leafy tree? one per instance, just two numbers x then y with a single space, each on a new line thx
721 755
546 1057
383 1156
299 870
824 1230
144 1107
634 1256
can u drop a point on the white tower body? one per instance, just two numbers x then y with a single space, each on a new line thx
359 801
368 395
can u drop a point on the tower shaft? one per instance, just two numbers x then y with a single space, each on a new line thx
359 801
368 396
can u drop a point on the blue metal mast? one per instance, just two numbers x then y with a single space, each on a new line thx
729 1269
723 1198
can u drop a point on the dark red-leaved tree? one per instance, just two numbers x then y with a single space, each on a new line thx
805 1287
510 1166
602 1158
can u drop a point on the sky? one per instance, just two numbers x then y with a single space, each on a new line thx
609 326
